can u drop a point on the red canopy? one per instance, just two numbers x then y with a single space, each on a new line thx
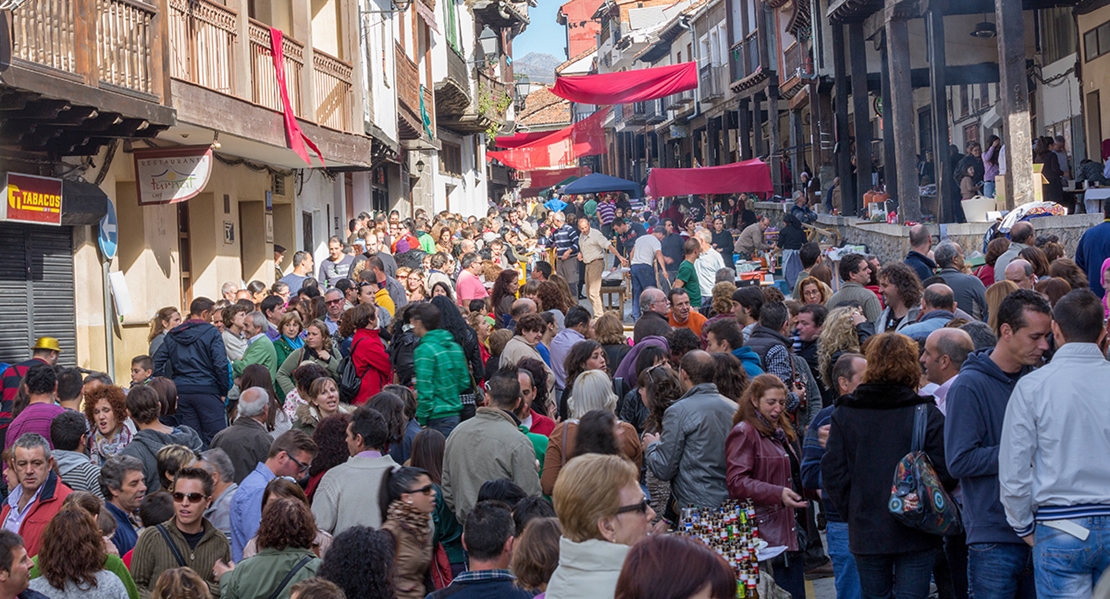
750 176
545 178
521 139
628 86
559 148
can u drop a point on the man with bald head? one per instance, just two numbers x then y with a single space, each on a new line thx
1020 273
519 308
1022 236
938 306
918 259
692 453
653 320
946 349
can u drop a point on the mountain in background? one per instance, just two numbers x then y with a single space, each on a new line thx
540 68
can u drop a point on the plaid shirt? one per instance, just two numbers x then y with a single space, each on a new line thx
473 575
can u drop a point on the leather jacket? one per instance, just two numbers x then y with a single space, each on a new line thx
758 469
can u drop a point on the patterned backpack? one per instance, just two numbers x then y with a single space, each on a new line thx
917 499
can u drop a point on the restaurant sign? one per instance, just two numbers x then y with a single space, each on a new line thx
171 175
31 199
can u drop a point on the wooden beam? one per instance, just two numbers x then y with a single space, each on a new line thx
902 116
842 149
890 173
744 135
1014 96
861 117
775 141
938 75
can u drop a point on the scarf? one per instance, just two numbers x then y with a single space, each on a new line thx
103 448
294 343
776 431
416 523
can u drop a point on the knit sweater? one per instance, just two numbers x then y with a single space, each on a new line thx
108 586
441 375
152 555
854 292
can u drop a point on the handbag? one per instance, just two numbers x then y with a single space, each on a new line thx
349 380
917 499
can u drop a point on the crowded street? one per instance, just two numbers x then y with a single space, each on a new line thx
587 299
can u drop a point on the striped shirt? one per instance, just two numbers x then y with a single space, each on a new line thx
605 212
565 238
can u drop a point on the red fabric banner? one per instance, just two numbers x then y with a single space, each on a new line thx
561 148
294 137
628 86
545 178
750 176
516 140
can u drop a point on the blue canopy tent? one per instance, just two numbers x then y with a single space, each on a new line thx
599 183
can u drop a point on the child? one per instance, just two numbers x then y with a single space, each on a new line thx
687 277
968 189
142 369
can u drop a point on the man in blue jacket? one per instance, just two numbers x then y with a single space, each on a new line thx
193 356
999 562
488 538
1093 249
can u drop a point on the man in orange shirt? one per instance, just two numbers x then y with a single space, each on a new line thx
682 315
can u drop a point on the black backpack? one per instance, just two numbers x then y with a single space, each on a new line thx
350 381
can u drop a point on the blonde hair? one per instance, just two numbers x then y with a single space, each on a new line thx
593 390
722 297
838 334
994 296
587 490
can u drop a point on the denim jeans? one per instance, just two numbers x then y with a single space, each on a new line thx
1000 570
901 575
844 565
955 549
444 425
988 188
643 276
1066 566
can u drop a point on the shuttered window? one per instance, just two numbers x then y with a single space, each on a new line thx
36 290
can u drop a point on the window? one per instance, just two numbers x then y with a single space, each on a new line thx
965 103
450 159
984 96
1058 34
1096 42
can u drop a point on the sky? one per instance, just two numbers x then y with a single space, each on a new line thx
543 35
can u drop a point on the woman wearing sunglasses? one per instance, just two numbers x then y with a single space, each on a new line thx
408 499
763 467
603 513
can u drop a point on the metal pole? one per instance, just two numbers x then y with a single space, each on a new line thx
109 325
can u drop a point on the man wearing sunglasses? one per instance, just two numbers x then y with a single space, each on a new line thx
189 540
290 456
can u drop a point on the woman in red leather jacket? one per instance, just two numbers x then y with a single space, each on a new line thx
763 466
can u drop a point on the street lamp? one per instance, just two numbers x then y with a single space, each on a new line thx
488 42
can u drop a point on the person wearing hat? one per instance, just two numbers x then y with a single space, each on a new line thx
279 257
45 351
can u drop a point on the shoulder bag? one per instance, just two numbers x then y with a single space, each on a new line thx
917 499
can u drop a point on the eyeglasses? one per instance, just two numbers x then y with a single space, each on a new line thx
334 302
192 497
426 490
640 508
300 467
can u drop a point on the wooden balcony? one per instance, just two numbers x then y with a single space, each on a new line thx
453 91
409 121
84 72
332 82
797 70
205 52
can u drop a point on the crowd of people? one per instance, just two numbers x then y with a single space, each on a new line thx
435 412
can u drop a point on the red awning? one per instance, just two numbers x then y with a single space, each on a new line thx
560 148
750 176
521 139
628 86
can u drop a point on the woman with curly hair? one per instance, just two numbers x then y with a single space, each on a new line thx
283 488
408 498
552 300
317 349
106 411
285 554
609 332
721 304
504 291
360 562
71 560
331 443
839 335
995 248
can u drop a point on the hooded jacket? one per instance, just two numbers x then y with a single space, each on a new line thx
193 355
146 443
749 359
78 472
587 569
872 430
976 407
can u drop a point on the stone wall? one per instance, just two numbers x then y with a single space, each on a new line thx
892 242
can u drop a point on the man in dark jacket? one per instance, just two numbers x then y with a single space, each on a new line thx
193 356
247 442
969 291
488 539
999 562
144 406
774 351
653 321
918 259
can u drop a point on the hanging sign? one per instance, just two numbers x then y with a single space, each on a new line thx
31 199
172 175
